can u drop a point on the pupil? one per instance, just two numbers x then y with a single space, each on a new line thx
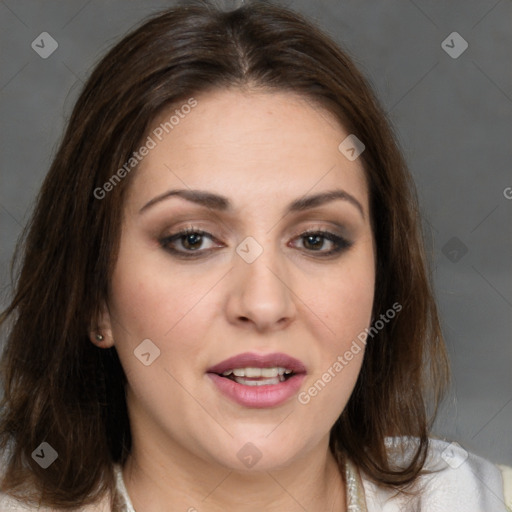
192 240
318 239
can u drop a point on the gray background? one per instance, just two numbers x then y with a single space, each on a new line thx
452 117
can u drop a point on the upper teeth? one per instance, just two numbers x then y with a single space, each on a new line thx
257 372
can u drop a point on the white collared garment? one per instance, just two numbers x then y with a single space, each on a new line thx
462 482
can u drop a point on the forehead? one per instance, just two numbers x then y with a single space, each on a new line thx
248 145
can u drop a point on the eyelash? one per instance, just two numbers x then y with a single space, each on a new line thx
341 244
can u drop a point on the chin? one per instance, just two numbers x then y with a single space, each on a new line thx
260 452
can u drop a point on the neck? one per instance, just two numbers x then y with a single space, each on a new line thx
155 480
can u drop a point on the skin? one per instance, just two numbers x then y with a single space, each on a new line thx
262 150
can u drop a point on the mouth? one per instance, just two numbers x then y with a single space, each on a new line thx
253 376
254 380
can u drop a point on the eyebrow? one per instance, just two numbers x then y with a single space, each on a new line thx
221 203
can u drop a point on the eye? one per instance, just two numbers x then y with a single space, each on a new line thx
315 241
190 239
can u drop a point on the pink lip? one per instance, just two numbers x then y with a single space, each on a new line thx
258 396
270 395
249 359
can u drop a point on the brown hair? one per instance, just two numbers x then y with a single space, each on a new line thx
62 389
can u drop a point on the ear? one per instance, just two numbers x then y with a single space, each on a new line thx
100 330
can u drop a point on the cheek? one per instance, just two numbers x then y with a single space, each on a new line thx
151 302
345 308
149 297
328 388
345 303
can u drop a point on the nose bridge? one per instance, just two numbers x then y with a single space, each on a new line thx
262 294
258 264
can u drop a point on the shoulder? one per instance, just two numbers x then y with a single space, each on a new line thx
453 480
8 503
507 480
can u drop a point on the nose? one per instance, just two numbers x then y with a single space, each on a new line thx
260 294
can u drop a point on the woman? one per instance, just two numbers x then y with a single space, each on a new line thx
223 301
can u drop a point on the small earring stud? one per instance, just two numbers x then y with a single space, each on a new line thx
99 337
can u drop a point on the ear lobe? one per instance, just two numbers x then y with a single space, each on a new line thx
100 331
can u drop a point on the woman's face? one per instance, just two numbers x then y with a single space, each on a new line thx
246 282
